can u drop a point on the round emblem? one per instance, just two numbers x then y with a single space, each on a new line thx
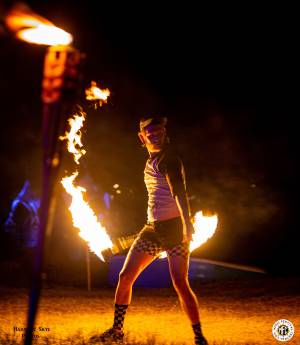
283 330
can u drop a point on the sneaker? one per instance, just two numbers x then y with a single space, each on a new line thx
110 335
200 341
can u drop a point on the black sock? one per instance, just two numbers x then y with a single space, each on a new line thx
198 333
120 311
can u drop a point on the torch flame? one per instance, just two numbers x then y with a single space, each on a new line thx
44 34
205 227
94 93
84 218
31 27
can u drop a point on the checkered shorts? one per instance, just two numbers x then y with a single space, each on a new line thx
162 236
151 248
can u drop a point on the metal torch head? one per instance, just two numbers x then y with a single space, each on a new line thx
110 252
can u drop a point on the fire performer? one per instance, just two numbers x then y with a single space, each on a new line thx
169 228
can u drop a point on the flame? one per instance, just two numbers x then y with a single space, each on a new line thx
83 216
205 227
31 27
94 93
48 35
74 136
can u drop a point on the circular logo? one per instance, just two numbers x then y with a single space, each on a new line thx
283 330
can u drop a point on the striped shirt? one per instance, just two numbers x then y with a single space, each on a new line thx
161 201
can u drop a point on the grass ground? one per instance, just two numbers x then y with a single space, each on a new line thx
233 312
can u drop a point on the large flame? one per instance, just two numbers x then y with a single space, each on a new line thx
31 27
83 216
205 227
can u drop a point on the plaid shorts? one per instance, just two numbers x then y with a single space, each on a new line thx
162 236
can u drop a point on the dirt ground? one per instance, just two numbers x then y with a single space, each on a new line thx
232 312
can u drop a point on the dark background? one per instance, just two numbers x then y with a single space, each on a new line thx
224 77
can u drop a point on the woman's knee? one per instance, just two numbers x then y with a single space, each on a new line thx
181 283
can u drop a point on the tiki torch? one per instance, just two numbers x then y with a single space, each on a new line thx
59 90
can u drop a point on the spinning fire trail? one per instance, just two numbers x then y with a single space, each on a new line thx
83 216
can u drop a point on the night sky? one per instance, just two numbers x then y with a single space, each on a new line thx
222 76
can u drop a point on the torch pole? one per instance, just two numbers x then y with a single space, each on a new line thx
58 94
50 170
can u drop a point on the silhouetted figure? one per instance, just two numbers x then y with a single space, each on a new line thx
22 224
21 227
